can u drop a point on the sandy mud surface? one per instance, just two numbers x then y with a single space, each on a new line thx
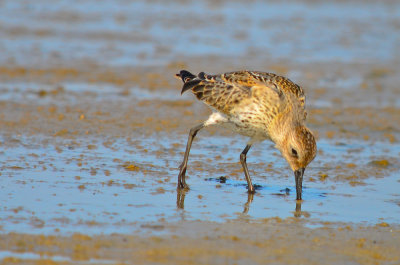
93 129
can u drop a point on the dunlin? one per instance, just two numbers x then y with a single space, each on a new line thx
258 105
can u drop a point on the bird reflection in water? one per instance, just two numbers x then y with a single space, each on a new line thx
181 193
180 198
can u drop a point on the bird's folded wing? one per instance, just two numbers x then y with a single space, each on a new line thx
225 91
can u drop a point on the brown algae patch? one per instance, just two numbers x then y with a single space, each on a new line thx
380 163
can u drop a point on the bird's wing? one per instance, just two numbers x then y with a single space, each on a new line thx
284 85
292 91
224 91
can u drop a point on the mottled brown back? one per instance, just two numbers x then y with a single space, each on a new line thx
224 91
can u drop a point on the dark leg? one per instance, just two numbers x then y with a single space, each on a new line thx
246 171
181 177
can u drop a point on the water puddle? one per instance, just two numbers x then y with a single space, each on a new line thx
125 185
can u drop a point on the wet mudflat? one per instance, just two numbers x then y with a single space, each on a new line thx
93 129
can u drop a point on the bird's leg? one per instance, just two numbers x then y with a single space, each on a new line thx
181 177
246 171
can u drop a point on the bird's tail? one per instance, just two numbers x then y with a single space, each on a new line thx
185 76
189 80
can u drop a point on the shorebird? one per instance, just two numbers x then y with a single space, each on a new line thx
260 105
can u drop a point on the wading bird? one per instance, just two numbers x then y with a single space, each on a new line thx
258 105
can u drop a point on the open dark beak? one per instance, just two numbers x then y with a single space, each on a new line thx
298 175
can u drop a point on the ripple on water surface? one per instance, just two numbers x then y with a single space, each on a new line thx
123 185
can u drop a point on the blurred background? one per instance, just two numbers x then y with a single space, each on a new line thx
156 33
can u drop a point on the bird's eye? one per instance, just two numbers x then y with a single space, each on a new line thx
294 153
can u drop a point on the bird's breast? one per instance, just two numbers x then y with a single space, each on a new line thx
248 123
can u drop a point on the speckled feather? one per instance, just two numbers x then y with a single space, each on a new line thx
258 105
224 92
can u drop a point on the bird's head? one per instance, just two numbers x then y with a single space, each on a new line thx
298 148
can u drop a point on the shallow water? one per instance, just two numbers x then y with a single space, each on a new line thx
73 188
54 258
